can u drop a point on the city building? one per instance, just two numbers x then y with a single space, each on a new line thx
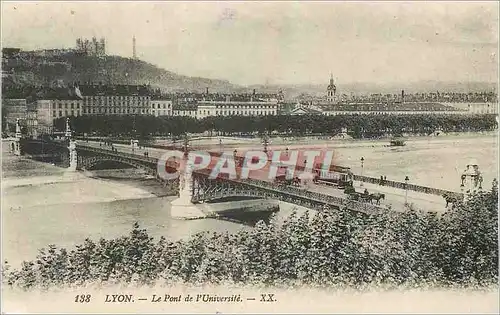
161 106
99 99
476 107
14 109
91 48
305 109
482 108
185 110
393 109
235 108
32 123
51 107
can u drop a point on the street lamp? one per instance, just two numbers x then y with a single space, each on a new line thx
362 166
407 179
265 142
186 144
220 144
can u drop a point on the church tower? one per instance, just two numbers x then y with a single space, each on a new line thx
331 91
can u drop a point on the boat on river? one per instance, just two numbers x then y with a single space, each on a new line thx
397 142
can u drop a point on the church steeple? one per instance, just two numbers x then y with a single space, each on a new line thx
331 90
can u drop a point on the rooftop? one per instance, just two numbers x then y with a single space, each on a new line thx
115 90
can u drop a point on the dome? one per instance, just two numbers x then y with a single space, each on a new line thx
472 162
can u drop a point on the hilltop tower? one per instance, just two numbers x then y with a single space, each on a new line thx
134 55
331 90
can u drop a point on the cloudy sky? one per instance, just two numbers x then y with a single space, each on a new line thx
277 42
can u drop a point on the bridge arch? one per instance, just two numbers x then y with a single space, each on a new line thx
89 162
207 190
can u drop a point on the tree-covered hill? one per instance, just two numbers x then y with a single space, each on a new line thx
70 68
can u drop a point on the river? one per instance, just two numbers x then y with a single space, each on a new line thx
43 204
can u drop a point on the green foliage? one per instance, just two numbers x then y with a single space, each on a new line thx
330 248
359 126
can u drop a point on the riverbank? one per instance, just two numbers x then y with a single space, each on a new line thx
332 142
20 173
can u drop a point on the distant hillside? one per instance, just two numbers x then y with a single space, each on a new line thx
28 69
292 91
110 69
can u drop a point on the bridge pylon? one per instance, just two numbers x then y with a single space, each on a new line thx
182 207
472 180
16 145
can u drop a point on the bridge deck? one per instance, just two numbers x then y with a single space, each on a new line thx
393 196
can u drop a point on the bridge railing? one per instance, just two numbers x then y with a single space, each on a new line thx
401 185
338 201
118 153
152 160
298 192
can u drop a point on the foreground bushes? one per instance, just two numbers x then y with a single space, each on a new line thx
331 248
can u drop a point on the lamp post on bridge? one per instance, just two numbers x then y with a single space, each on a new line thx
362 166
71 147
235 157
186 144
220 145
407 179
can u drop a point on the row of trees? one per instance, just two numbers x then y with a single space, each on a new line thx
358 126
332 249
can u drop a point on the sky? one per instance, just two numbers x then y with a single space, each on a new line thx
277 42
